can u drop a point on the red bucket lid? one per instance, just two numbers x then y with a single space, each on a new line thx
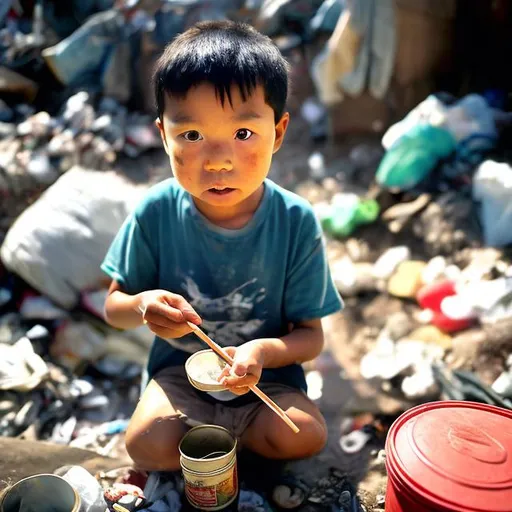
454 456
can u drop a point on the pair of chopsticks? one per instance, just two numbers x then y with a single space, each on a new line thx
257 391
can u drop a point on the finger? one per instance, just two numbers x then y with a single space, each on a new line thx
224 373
234 382
162 321
167 314
187 311
166 333
239 391
231 351
239 369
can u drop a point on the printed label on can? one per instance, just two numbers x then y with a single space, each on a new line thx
202 496
205 494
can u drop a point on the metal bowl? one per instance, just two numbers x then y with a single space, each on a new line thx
203 368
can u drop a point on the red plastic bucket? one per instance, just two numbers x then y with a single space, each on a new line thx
450 457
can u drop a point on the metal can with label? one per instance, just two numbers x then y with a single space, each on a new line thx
208 463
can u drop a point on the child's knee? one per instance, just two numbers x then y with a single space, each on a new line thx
154 446
311 439
280 443
317 439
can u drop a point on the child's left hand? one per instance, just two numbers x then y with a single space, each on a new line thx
246 370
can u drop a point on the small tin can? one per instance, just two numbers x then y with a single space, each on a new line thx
46 492
208 463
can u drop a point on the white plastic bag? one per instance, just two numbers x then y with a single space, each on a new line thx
58 243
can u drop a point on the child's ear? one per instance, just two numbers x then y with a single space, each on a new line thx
160 125
281 128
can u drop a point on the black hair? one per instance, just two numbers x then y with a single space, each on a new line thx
223 53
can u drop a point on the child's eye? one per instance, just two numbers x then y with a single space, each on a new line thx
192 136
243 134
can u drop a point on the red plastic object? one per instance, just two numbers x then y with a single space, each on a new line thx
447 324
450 457
430 296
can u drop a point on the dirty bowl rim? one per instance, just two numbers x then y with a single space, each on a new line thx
194 381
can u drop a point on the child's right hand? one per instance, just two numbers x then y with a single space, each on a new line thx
166 313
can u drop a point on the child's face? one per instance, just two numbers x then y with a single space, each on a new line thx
221 155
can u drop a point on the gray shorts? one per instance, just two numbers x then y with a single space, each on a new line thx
197 408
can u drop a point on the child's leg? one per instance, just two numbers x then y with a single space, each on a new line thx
270 437
159 421
155 432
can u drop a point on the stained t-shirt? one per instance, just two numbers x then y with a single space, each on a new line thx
245 284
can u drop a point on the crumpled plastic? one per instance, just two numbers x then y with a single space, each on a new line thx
414 156
21 369
390 359
86 52
492 187
458 136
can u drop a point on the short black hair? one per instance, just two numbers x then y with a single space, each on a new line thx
223 53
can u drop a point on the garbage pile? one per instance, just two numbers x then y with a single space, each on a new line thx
67 379
429 236
66 376
39 148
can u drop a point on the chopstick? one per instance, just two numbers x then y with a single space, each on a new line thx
257 391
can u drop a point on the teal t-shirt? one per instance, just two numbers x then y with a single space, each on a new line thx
245 284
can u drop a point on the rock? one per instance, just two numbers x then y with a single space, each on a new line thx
287 498
431 334
324 483
406 281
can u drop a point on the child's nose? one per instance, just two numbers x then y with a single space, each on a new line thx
218 159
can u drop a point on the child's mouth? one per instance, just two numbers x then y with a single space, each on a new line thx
221 191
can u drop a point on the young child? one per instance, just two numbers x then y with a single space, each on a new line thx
223 246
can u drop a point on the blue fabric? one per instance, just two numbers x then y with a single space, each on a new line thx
327 16
82 57
375 22
245 284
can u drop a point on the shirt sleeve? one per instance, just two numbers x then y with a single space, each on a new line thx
131 260
310 292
